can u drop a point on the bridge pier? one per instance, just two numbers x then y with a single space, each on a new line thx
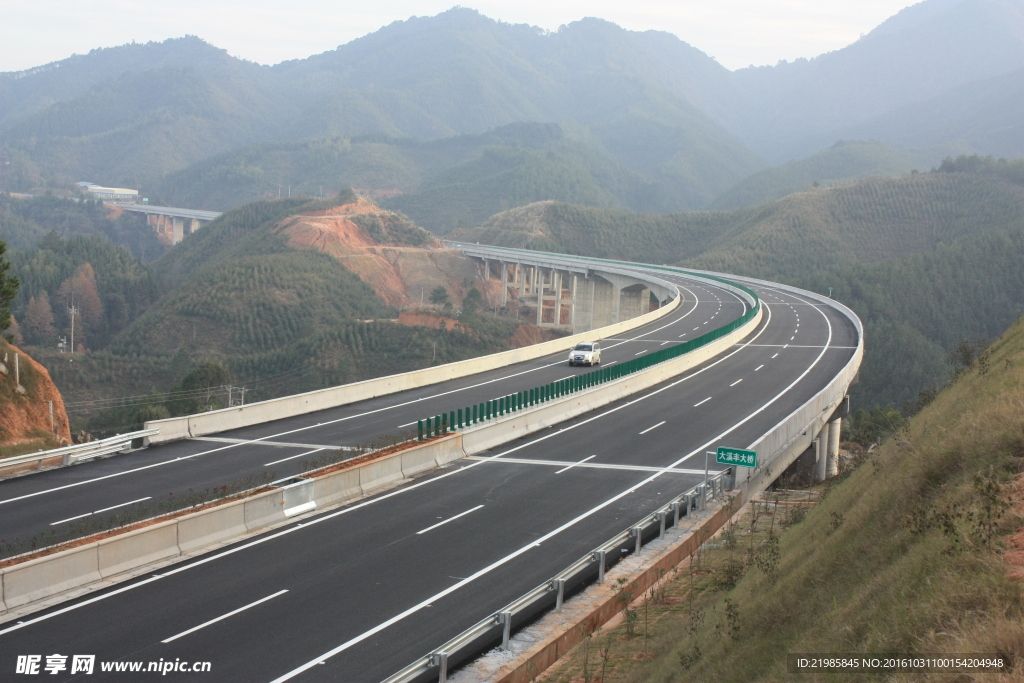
832 452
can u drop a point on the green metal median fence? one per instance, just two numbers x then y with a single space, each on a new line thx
489 410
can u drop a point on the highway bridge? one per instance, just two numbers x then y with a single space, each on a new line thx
358 592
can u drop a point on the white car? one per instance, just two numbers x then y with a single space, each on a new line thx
586 352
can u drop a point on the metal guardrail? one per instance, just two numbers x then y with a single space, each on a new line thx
497 628
433 426
83 451
781 438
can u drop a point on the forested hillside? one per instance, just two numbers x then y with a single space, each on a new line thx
841 162
277 296
440 184
24 222
645 121
925 259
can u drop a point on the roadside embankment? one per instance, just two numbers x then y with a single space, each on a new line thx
915 548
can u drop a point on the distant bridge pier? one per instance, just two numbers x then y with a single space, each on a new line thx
171 224
569 297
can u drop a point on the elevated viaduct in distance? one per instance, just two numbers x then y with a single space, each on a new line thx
566 293
172 224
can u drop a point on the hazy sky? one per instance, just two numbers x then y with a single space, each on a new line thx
735 32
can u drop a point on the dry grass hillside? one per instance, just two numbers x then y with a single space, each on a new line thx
914 548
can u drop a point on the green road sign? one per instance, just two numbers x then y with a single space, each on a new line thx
736 456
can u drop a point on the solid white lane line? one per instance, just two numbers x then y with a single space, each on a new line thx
451 589
758 367
800 346
96 512
276 444
315 450
585 465
653 428
702 402
450 519
224 616
407 424
696 302
611 363
373 501
566 469
736 382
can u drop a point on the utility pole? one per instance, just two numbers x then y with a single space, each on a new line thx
72 311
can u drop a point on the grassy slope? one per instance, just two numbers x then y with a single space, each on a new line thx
858 574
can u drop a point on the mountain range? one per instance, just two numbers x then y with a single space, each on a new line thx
453 117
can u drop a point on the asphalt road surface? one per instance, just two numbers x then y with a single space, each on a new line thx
50 500
357 593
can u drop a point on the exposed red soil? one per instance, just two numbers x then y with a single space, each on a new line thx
527 335
24 417
426 319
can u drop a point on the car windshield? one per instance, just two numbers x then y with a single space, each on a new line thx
583 347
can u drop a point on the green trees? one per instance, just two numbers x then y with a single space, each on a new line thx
197 391
439 296
472 302
8 290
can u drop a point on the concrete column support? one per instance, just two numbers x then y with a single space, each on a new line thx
832 464
556 284
538 282
572 303
504 283
820 457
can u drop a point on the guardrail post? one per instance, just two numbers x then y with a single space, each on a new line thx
600 557
675 514
441 662
638 531
419 430
559 585
661 524
505 619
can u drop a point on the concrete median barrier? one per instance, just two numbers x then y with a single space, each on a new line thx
46 576
176 428
520 424
380 473
337 488
264 509
214 525
137 548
